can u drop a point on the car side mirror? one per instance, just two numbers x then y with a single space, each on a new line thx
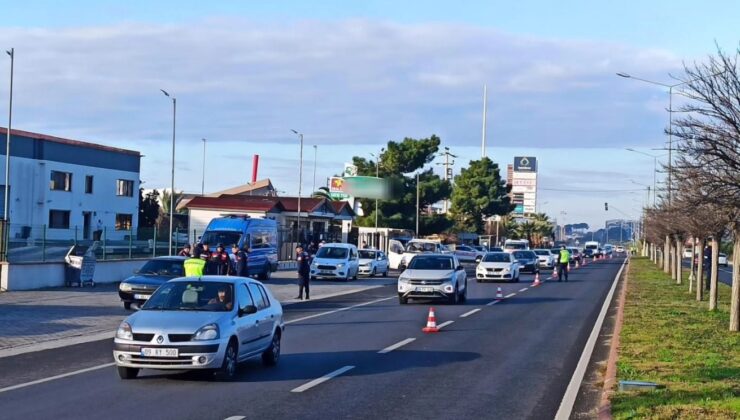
460 268
247 310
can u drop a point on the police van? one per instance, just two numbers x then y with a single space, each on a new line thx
257 235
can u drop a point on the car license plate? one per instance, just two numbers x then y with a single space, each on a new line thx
326 272
142 297
149 352
425 289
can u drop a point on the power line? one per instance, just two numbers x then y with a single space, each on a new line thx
583 190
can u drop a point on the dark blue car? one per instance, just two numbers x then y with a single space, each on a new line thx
139 287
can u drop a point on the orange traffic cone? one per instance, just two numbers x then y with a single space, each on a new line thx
431 323
577 265
536 279
499 293
555 272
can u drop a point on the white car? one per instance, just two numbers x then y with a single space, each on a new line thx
400 256
722 259
545 257
467 253
373 262
337 261
433 276
497 266
620 250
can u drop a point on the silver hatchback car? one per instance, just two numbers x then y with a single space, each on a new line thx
209 322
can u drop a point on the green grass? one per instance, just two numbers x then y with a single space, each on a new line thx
670 338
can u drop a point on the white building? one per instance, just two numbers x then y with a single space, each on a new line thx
68 189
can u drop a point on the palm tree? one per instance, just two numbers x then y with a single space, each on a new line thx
165 201
543 227
323 192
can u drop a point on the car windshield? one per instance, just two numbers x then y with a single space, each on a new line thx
213 237
192 296
431 263
524 255
591 247
497 257
420 247
497 249
369 255
542 252
555 251
172 268
332 252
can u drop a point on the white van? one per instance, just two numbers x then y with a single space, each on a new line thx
512 245
400 256
336 261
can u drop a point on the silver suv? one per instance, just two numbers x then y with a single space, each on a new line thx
210 322
433 276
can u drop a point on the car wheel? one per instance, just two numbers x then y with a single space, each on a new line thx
372 273
402 300
127 305
228 366
267 273
455 298
271 356
312 278
464 295
127 372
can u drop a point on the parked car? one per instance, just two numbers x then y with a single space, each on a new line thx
497 266
468 253
210 322
528 261
258 235
137 289
433 276
546 259
336 260
373 262
722 260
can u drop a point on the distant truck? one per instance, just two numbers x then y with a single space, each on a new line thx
512 245
259 236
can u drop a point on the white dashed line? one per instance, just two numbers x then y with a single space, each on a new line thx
235 418
524 289
322 379
51 378
509 295
444 324
467 314
396 346
493 302
292 321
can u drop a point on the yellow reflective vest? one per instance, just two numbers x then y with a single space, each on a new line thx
564 256
194 267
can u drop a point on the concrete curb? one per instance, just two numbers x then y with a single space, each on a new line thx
287 265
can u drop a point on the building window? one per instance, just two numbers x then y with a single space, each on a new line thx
125 188
88 184
61 181
58 219
123 221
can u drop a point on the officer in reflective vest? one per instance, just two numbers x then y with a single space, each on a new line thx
195 265
563 262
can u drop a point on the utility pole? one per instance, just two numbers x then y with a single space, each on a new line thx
448 171
172 183
417 204
315 155
300 181
6 233
203 179
485 112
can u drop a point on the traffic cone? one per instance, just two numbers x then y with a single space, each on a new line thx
536 279
577 265
431 323
555 272
499 293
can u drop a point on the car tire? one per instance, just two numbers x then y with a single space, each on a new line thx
127 305
455 298
385 274
372 273
402 300
266 274
227 371
127 372
312 278
464 295
271 356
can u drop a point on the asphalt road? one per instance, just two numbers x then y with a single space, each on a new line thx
724 274
510 359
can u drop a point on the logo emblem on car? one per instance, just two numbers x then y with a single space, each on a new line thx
160 339
423 282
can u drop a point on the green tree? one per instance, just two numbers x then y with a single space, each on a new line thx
148 208
479 193
323 192
399 163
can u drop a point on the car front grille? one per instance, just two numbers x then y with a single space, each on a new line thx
161 361
427 282
179 338
143 337
326 267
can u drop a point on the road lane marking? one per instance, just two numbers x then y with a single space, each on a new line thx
292 321
322 379
51 378
569 398
444 324
235 418
509 295
467 314
54 344
524 289
493 302
396 346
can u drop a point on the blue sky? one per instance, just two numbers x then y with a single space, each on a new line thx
352 75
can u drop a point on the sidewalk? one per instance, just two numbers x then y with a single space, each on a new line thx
40 319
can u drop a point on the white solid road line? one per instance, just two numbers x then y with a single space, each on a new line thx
235 418
467 314
55 344
322 379
524 289
509 295
569 398
444 324
292 321
396 346
51 378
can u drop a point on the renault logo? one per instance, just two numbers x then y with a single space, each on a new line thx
160 339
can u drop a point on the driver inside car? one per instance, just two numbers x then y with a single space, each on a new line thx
223 299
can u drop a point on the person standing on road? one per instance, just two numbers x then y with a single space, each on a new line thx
563 262
708 266
304 272
238 262
220 260
185 251
194 265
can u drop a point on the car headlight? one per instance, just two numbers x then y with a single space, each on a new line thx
124 331
341 265
404 279
207 332
506 270
125 287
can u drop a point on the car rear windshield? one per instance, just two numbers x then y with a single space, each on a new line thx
524 254
515 246
225 237
431 263
367 254
332 252
497 257
172 268
420 247
192 296
591 247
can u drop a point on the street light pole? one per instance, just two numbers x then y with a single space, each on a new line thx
655 170
300 180
172 181
417 204
6 210
203 179
315 156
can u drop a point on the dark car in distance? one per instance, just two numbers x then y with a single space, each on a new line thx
138 288
528 261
